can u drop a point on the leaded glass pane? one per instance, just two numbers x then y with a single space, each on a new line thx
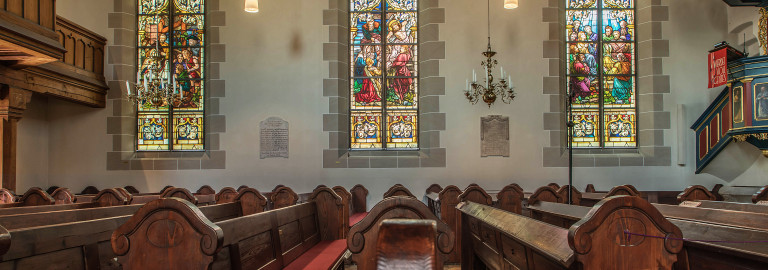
402 5
188 131
581 3
619 92
153 6
582 62
618 3
150 27
620 128
190 95
190 6
153 132
401 27
366 130
402 130
618 25
618 58
187 63
366 28
188 30
586 132
584 91
365 5
582 25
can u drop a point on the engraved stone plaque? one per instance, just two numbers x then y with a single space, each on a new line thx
494 136
274 138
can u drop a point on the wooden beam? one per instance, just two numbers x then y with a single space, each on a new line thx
13 102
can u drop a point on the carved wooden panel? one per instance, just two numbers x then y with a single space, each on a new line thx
761 195
406 244
251 201
449 198
90 190
36 196
474 193
622 190
63 196
226 195
434 188
696 193
346 197
110 197
590 188
510 199
575 195
283 197
545 193
332 224
181 193
7 196
132 189
554 186
359 199
85 49
398 190
206 190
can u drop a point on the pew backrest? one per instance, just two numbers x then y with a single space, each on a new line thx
398 190
510 199
132 189
554 186
590 188
575 195
125 194
205 190
545 193
283 197
474 193
33 197
449 198
7 196
696 193
622 190
63 196
181 193
346 198
244 187
434 188
362 240
251 200
760 195
743 207
359 199
407 243
90 190
226 194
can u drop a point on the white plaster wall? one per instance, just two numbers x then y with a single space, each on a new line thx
275 68
32 146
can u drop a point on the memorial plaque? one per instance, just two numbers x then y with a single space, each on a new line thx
274 138
494 136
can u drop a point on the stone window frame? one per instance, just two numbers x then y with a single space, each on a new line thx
336 88
121 124
652 87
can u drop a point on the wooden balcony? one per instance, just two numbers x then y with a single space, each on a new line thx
27 33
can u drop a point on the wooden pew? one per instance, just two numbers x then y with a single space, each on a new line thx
62 196
665 197
743 207
287 238
546 194
407 244
700 224
106 197
283 197
90 190
7 196
80 239
554 186
363 237
448 199
430 196
502 240
205 190
696 193
359 199
398 190
226 194
132 189
346 197
575 195
33 197
590 199
510 199
761 196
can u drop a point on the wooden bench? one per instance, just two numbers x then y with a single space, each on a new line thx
407 244
503 240
761 196
362 240
510 199
701 224
743 207
398 190
33 197
106 197
696 193
173 233
83 243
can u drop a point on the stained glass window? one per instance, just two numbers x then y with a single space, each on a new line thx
384 74
176 30
600 38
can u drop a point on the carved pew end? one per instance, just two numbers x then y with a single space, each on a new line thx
406 244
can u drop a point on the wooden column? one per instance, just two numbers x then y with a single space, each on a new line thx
13 102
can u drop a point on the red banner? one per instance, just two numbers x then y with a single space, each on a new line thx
718 68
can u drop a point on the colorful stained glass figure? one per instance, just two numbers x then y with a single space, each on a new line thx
581 3
402 130
384 67
188 131
179 26
620 129
600 52
366 130
153 132
365 5
586 131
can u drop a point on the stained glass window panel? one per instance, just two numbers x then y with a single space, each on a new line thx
620 129
401 27
402 5
188 131
153 132
581 3
582 62
402 130
179 26
618 58
582 25
402 94
617 3
618 25
365 5
619 92
585 91
366 130
366 28
586 132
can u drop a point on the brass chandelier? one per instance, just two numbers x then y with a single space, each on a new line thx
490 91
154 88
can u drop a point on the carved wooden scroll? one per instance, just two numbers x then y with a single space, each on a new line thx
546 194
319 186
590 188
90 190
330 209
434 188
181 193
251 201
125 194
615 233
621 190
7 196
474 193
633 188
276 187
166 230
63 196
761 195
575 195
716 192
696 193
243 187
362 240
132 189
359 199
206 190
449 198
226 195
407 243
283 197
36 196
165 189
346 197
510 199
110 197
398 190
554 186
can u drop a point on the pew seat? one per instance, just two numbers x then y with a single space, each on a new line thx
355 218
324 255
